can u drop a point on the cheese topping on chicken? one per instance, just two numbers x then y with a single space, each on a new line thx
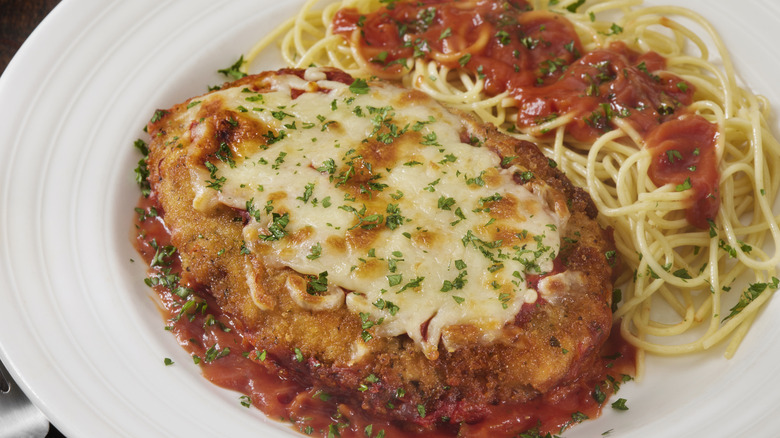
380 203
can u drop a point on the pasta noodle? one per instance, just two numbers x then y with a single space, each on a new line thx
684 288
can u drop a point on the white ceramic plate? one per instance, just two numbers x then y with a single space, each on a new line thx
80 330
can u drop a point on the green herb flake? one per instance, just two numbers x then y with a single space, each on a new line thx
158 115
359 86
234 71
598 395
672 155
620 404
307 192
277 227
317 284
395 279
751 294
686 185
412 284
574 6
315 251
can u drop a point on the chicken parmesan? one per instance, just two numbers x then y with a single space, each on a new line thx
365 240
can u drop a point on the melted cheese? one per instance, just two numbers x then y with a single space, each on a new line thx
377 195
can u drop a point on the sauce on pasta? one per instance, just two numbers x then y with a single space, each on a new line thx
539 60
684 291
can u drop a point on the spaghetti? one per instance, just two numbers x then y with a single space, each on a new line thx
700 259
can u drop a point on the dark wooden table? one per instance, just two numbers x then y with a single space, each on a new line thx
18 18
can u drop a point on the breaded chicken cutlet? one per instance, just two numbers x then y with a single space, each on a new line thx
400 255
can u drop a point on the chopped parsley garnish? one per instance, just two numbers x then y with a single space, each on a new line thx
279 160
225 155
430 140
359 86
412 284
394 279
158 115
272 138
446 203
276 229
615 29
144 214
307 192
234 71
382 304
598 395
477 180
682 273
686 185
752 293
367 324
280 115
213 353
215 182
620 405
142 178
503 37
328 166
673 155
317 284
573 7
394 218
457 283
315 251
252 210
162 254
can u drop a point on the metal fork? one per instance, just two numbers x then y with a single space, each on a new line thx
19 418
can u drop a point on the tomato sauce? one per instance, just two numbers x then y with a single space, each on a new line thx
684 154
227 359
538 58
